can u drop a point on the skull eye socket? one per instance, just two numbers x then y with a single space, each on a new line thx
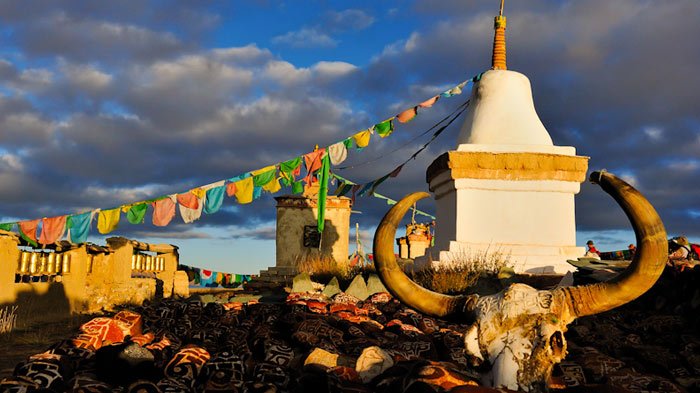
556 344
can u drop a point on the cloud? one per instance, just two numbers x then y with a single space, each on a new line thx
85 77
117 105
350 19
307 37
320 35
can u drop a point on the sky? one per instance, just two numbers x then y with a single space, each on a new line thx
108 103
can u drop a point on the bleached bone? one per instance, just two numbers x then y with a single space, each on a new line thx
519 332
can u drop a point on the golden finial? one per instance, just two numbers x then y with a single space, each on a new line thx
498 61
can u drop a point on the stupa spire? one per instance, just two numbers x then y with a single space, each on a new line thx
498 61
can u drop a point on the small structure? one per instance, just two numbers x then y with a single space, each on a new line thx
297 234
66 278
417 240
507 187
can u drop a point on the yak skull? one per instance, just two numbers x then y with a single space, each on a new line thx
519 333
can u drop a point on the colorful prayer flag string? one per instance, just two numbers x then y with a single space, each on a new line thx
246 187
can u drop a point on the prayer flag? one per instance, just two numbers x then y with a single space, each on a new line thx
385 128
215 198
79 225
136 213
27 231
362 138
52 229
407 115
338 153
323 192
163 211
108 220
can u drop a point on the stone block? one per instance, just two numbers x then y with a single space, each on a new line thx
332 288
319 358
181 284
358 288
302 283
372 362
375 285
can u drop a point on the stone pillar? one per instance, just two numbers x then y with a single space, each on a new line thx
294 213
120 265
75 280
403 247
168 274
9 255
417 247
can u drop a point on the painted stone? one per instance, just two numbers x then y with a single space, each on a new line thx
375 285
358 288
332 288
302 283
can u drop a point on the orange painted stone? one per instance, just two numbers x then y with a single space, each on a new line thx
133 322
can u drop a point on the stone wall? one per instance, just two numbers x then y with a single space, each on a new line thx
98 278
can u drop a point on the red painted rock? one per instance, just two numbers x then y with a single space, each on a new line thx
143 339
106 330
132 322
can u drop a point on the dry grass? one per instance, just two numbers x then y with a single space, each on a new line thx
35 338
323 267
8 319
462 271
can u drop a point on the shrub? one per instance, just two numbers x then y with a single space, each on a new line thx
462 271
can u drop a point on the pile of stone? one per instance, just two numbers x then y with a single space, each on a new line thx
357 340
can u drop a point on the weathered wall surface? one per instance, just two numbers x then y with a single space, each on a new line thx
295 212
98 278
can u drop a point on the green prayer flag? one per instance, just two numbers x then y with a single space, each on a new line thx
323 191
291 165
264 178
7 226
348 143
136 213
384 128
298 187
287 168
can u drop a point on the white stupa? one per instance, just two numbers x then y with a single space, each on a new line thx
507 188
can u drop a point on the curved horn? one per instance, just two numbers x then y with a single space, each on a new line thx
395 279
646 266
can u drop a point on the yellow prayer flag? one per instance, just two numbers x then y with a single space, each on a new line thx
244 190
273 186
199 192
108 220
362 138
262 170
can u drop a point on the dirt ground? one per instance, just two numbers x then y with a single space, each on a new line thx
34 338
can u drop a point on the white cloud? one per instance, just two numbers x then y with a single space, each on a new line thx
333 69
306 38
285 73
86 77
653 133
685 165
11 162
248 54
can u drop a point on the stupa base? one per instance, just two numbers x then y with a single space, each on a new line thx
533 259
